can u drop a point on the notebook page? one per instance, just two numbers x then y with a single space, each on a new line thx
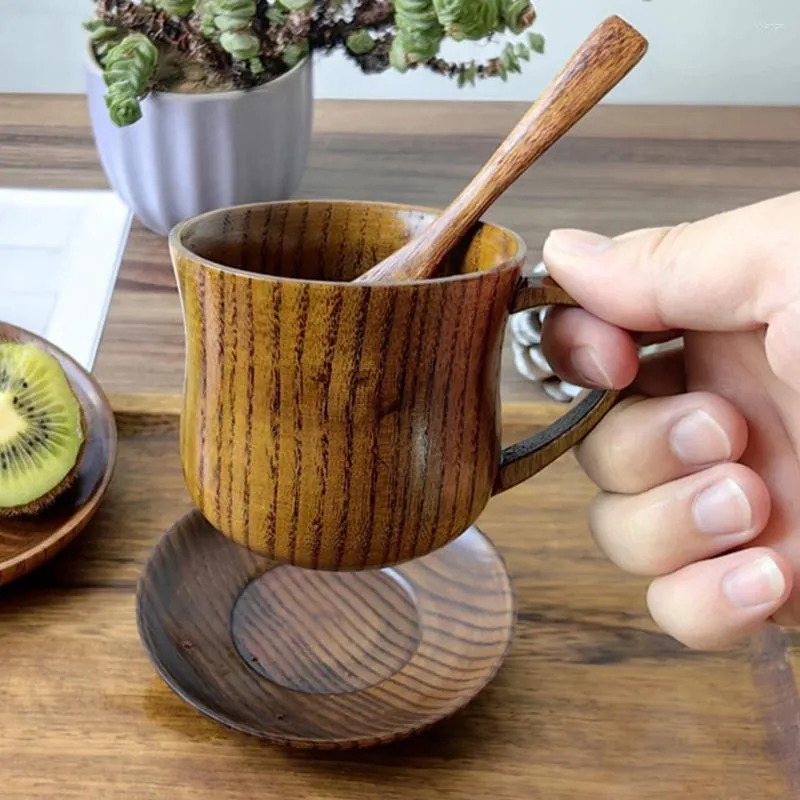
60 252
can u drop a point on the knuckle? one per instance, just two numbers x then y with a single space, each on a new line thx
642 560
659 256
607 454
783 345
618 532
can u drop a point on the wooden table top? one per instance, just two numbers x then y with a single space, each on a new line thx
593 700
619 169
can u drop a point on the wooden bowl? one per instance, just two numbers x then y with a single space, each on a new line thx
318 659
28 542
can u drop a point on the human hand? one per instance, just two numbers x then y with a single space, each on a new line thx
699 465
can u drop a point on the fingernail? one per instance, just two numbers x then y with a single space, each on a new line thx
585 362
754 584
575 242
722 509
699 439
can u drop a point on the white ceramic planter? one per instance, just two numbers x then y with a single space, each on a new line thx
191 153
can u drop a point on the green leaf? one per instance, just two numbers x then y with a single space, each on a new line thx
360 42
297 5
294 52
276 15
131 63
103 39
242 45
468 19
536 41
419 33
517 14
226 22
175 8
471 73
397 58
123 107
510 59
241 8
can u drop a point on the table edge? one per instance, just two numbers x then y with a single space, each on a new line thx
169 405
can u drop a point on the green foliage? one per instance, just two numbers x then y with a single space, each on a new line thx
468 19
418 33
360 42
294 52
509 61
239 44
423 24
516 14
103 37
176 8
232 22
536 42
128 68
297 5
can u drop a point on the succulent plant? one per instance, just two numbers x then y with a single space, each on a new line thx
158 45
128 68
178 8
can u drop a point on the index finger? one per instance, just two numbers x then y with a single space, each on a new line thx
731 271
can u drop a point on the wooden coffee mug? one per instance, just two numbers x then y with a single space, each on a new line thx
339 425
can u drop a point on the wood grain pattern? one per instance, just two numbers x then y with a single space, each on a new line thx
601 61
327 632
27 542
337 425
323 660
592 700
620 168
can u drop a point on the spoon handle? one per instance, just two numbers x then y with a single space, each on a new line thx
601 61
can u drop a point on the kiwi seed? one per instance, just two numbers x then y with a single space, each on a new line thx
42 432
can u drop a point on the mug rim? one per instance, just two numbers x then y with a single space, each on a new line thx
179 247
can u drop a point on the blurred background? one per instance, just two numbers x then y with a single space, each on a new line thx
720 52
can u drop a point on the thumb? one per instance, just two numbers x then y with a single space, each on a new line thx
732 271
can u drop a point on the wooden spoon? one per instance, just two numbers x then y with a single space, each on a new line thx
602 60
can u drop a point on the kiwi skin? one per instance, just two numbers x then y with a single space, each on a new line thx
46 500
43 502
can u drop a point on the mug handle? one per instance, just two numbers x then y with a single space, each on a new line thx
522 460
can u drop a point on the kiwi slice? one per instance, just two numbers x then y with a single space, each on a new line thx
41 429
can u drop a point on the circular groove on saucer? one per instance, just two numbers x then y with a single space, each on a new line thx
326 632
185 604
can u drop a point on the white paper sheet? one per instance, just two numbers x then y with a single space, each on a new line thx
60 252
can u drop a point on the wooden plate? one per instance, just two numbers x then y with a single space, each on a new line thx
28 542
326 660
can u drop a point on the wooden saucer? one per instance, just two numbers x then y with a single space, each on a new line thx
319 659
28 542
